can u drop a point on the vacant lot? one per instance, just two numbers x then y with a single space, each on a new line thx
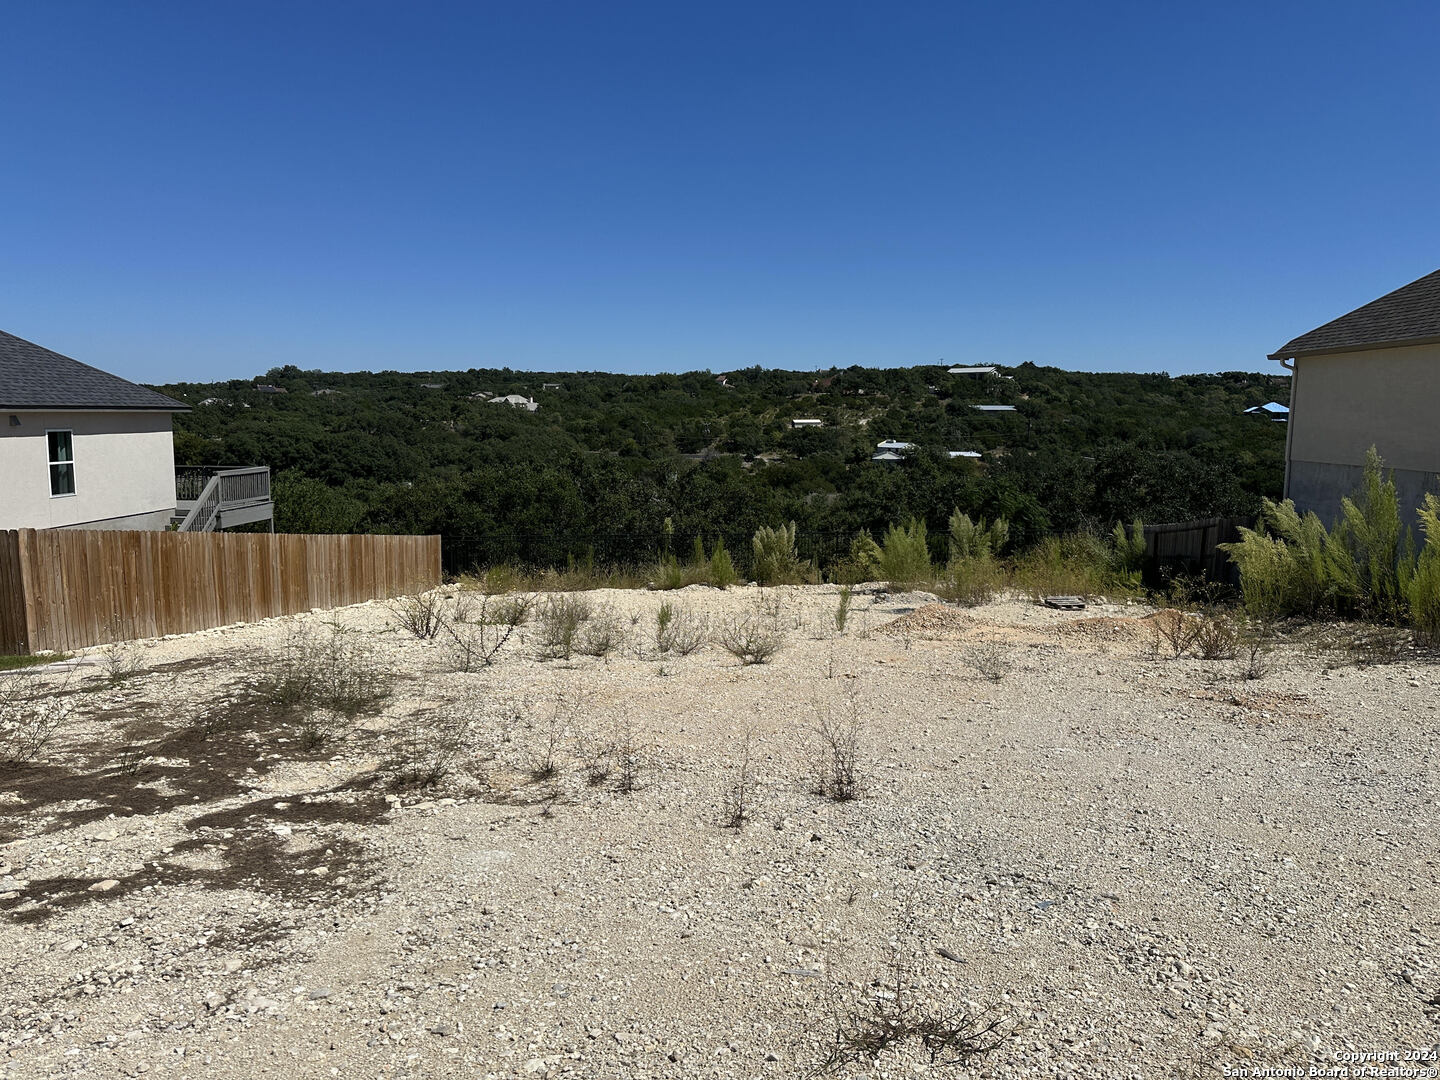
1096 860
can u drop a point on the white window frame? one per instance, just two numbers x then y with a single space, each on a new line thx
50 464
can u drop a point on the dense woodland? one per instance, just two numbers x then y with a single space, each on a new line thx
607 459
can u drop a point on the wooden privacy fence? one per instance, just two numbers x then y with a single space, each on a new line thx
65 589
1192 547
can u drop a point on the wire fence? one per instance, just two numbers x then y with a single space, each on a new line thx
555 551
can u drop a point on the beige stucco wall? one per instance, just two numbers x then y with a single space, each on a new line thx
1344 403
124 470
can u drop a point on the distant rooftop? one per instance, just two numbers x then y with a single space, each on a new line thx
1408 316
985 370
34 377
994 408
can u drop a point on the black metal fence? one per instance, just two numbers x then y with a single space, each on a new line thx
1192 548
553 551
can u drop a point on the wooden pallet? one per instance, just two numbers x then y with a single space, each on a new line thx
1065 603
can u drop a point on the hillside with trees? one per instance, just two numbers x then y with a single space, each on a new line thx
606 459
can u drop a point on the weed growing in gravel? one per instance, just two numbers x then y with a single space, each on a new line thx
990 659
751 639
422 615
835 751
473 639
119 659
629 757
602 635
32 714
1217 636
776 562
842 608
899 1010
682 633
428 745
561 617
329 676
738 804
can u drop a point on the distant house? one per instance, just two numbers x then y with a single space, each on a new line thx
962 453
266 388
519 402
1272 410
432 386
994 408
550 386
887 455
79 447
722 381
895 446
481 395
325 392
988 369
797 422
1369 378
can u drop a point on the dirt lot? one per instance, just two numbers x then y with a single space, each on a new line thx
1117 865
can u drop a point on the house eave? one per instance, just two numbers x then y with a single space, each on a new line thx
1287 353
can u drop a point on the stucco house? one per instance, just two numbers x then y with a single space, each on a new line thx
80 447
1369 378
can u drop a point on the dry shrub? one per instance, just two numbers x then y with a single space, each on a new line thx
474 638
328 676
422 615
1217 635
679 631
751 639
992 660
899 1010
1172 632
602 634
428 745
737 806
561 617
836 751
32 714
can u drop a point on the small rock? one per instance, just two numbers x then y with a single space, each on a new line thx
104 886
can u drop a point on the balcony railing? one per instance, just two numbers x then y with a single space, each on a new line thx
207 498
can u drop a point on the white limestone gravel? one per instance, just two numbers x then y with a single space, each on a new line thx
1143 867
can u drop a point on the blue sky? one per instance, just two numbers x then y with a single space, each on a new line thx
205 191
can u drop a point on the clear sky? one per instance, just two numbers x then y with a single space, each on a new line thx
207 190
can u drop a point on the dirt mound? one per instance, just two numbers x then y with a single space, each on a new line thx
930 620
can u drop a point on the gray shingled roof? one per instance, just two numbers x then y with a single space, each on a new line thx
32 377
1410 314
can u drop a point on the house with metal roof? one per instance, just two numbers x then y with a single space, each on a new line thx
1369 378
81 448
1271 410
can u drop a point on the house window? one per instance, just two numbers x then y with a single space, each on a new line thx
62 463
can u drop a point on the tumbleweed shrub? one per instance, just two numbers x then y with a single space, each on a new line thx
751 639
1076 564
905 555
1421 583
329 668
776 562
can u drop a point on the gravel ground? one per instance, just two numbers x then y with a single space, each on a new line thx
1120 866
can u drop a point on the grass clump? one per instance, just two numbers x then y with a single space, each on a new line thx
842 608
776 562
602 635
738 803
